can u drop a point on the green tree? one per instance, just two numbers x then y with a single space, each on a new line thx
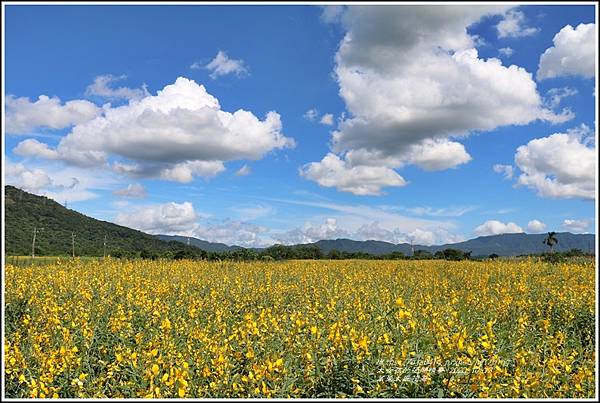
551 240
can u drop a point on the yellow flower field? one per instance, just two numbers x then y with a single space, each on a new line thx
300 329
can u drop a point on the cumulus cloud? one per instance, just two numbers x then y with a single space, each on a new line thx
222 65
506 170
186 171
436 155
369 230
554 96
513 26
412 82
30 180
494 227
360 222
535 226
311 114
362 180
506 52
234 232
573 53
562 165
178 134
312 233
133 191
169 218
33 148
576 226
56 182
23 116
327 119
102 87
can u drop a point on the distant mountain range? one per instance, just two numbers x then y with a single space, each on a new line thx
199 243
502 245
56 225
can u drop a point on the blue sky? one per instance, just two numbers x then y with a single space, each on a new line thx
359 122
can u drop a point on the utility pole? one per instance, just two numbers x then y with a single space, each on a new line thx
35 231
73 243
104 255
33 243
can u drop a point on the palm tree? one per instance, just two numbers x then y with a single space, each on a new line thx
551 240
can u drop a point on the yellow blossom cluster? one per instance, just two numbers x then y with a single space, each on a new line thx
159 329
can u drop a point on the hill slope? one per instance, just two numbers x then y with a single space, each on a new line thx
24 211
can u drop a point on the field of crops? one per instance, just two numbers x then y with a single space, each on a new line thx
300 329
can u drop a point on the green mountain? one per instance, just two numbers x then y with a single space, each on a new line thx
502 245
521 244
199 243
55 225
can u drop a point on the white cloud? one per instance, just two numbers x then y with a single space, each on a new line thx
30 180
57 181
513 26
133 190
436 155
311 114
365 222
102 87
573 53
233 232
332 14
175 135
327 119
368 230
33 148
169 218
494 227
506 170
244 171
185 171
506 52
412 82
441 212
562 165
436 237
554 96
222 65
576 226
362 180
23 116
311 233
535 226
